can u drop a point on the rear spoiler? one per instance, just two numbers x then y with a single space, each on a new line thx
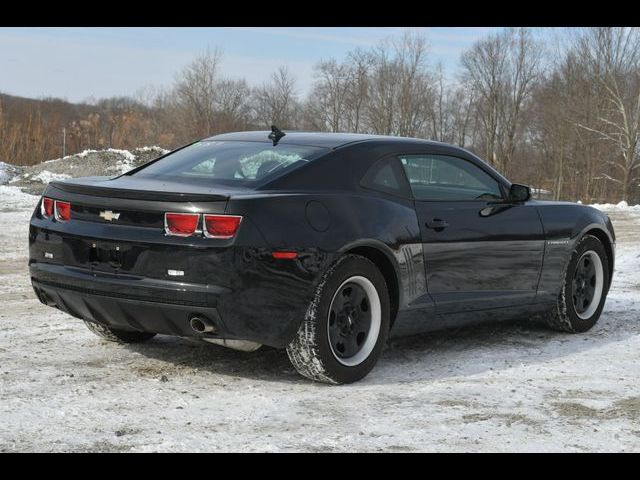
97 191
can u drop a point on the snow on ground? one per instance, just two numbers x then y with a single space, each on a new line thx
621 206
502 387
125 153
12 199
7 172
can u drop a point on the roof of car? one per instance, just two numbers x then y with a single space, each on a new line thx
320 139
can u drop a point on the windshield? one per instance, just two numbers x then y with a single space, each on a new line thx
230 162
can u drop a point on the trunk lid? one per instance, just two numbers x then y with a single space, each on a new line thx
117 226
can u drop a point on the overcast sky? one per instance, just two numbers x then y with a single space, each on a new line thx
79 63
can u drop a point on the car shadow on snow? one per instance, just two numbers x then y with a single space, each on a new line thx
455 352
266 364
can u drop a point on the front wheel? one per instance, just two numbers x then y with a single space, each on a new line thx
346 325
584 290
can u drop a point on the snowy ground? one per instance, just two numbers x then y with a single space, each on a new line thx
506 387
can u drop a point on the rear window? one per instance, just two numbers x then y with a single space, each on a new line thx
231 162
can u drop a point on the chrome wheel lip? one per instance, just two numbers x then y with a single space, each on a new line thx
590 310
374 328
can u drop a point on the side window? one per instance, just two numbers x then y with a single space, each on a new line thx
442 177
386 176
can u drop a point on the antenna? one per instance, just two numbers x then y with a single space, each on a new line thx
275 135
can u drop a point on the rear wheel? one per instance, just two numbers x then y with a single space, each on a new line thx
116 335
346 325
584 290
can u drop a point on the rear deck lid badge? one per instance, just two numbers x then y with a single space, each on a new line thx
108 215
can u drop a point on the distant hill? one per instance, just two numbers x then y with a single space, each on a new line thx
31 130
18 108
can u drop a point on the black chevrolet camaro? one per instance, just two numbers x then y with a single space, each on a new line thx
319 243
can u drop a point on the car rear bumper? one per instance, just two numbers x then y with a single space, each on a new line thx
128 302
160 306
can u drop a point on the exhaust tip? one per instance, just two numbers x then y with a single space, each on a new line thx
44 298
202 325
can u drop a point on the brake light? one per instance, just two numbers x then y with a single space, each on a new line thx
284 255
181 224
62 211
221 226
46 207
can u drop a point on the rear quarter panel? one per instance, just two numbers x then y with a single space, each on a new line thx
323 225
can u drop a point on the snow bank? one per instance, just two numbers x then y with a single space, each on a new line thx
618 207
153 148
7 172
4 173
125 153
109 162
46 176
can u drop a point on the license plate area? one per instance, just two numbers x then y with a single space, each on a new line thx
106 256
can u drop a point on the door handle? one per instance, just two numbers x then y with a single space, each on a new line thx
437 224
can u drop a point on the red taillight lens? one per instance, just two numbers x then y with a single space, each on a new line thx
285 255
221 226
181 224
46 207
63 211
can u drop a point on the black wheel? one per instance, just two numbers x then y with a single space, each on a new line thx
585 288
346 325
119 336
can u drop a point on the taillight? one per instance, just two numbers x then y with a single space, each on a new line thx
221 226
214 226
280 255
46 207
62 211
181 224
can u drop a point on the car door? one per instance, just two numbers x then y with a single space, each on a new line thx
480 251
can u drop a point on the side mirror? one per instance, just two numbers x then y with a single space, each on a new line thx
519 193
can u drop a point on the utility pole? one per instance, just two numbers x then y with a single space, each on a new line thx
64 142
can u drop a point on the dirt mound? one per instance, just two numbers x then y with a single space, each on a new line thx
89 163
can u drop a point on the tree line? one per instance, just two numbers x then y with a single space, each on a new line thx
563 117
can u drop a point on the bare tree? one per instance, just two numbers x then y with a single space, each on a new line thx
400 87
275 102
502 70
360 64
233 105
414 84
196 92
382 93
461 101
612 55
330 96
484 66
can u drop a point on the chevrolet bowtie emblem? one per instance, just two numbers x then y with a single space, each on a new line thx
108 215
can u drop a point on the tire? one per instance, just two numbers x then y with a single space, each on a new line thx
346 325
118 336
578 310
